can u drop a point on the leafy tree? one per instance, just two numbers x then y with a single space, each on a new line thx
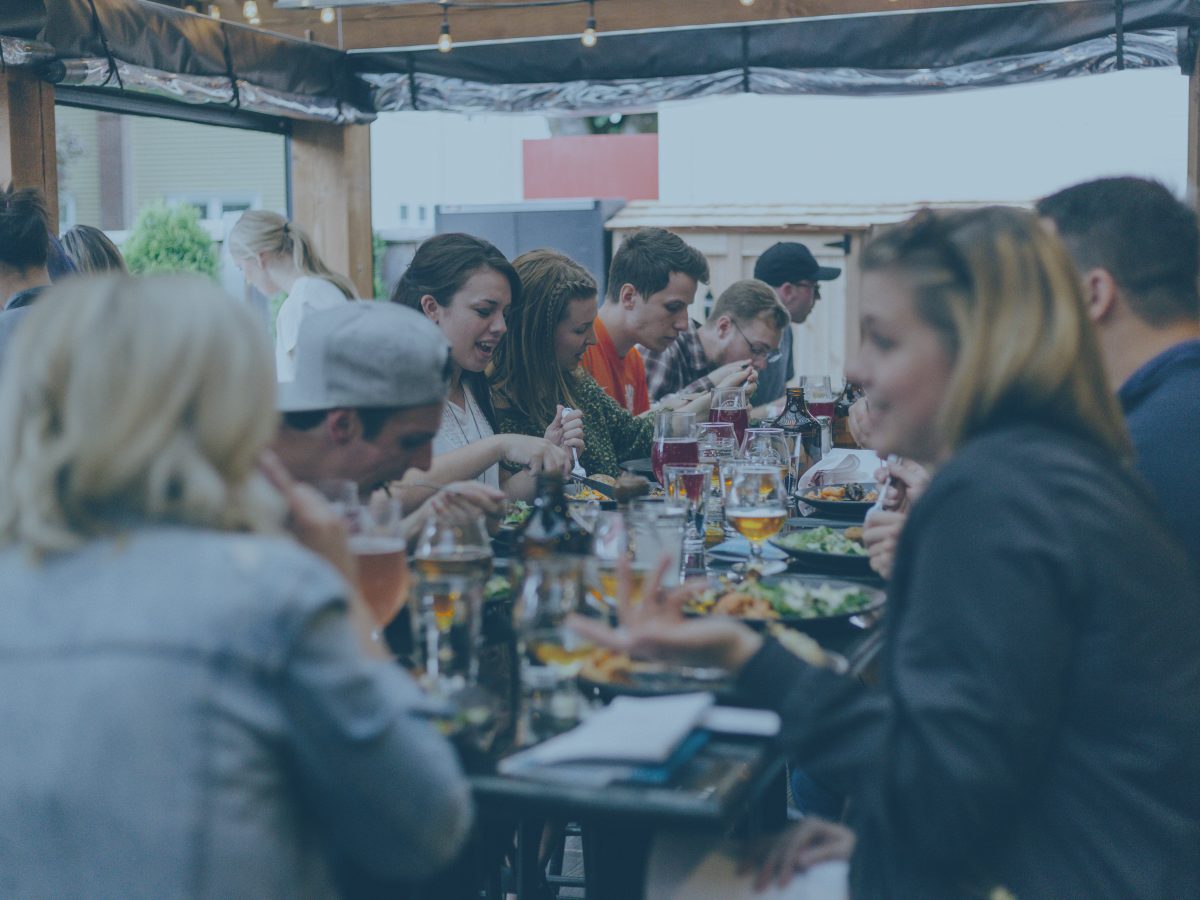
379 248
170 240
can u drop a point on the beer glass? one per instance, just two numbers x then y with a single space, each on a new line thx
729 405
454 561
674 441
769 447
756 506
381 554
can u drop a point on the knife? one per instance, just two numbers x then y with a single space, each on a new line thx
599 486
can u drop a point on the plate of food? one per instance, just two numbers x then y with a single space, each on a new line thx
843 501
821 607
834 550
606 674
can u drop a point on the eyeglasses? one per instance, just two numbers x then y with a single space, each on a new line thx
812 285
758 352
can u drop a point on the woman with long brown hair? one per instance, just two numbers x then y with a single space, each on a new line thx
1036 729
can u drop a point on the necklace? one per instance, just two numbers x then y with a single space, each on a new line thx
468 402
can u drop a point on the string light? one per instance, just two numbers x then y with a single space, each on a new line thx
589 33
249 9
747 2
256 21
214 11
327 15
444 42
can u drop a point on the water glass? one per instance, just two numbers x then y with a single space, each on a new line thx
454 562
654 534
688 490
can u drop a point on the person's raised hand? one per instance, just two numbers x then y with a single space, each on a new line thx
734 374
797 848
536 454
860 423
908 481
655 628
881 533
567 429
312 520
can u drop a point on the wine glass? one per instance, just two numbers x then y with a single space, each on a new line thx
819 395
756 506
674 441
688 490
729 405
769 447
454 560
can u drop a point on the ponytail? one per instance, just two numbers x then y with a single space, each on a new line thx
260 231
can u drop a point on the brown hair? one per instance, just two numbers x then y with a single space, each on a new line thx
647 258
748 299
1003 294
261 231
92 252
525 372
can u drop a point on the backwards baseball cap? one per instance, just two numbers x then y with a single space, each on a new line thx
791 262
367 353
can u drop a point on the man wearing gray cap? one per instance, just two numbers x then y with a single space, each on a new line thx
790 268
367 399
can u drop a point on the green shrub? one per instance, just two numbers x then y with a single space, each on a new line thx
170 240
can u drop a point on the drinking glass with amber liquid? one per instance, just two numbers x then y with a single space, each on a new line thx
756 506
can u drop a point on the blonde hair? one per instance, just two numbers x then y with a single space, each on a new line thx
1002 293
92 251
526 373
126 400
261 231
748 299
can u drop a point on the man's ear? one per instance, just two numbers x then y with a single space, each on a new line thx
1100 294
342 426
628 295
724 327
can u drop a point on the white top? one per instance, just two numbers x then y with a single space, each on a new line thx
465 426
308 295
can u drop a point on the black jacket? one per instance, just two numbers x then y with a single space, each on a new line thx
1038 722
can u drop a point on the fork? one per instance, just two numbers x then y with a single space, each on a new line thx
579 471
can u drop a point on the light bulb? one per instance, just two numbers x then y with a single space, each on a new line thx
747 2
327 15
249 9
589 33
256 21
214 11
444 42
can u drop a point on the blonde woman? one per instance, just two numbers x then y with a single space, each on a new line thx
91 251
186 700
1036 728
276 255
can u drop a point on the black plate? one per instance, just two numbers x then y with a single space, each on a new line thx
658 685
822 628
841 509
832 563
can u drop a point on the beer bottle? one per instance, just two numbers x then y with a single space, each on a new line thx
550 528
801 430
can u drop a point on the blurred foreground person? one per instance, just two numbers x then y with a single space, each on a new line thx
1036 729
277 255
91 252
1137 250
189 707
24 251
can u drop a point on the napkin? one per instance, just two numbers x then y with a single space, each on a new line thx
851 465
628 730
683 867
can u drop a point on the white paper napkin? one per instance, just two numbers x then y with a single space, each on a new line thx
867 462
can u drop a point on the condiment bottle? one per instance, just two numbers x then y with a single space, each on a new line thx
550 529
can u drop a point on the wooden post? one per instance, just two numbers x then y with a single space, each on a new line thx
27 152
331 196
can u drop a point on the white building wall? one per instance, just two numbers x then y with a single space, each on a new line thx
421 159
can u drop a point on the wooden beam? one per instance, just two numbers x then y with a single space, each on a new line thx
331 196
418 24
27 151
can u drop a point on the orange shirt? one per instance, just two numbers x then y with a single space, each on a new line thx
622 379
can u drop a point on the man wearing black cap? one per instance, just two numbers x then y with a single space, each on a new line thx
790 269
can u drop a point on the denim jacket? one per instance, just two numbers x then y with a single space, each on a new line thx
188 714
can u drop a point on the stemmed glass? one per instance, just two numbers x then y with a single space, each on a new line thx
756 505
688 490
454 559
729 405
674 441
717 441
769 447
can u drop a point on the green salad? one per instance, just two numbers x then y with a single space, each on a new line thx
821 540
751 599
497 588
518 512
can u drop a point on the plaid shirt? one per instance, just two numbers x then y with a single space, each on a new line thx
680 369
